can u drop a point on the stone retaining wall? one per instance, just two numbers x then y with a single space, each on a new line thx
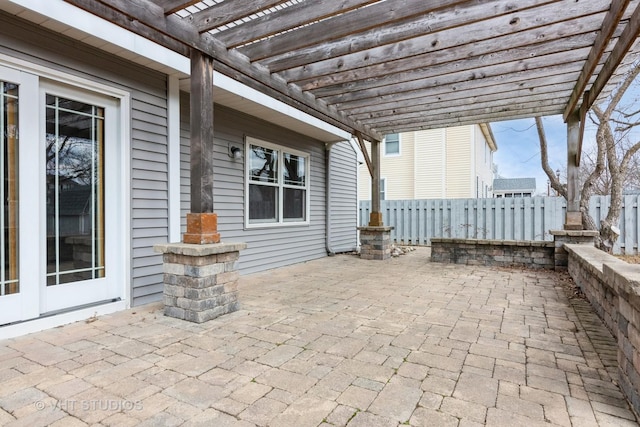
505 253
612 287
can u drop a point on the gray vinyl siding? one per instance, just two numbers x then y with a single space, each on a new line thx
268 247
343 198
148 121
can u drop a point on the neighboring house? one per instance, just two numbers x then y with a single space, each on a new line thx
514 187
95 131
446 163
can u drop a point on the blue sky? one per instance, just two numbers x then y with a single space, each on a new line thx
518 154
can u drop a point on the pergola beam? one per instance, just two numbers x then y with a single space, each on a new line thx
623 45
609 25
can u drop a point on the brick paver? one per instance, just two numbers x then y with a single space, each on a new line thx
338 341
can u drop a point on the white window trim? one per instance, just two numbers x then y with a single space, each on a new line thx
280 185
383 187
399 153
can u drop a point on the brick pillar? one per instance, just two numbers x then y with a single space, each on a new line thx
200 281
560 237
375 242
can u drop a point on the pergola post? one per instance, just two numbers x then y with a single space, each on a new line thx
375 238
375 217
573 219
200 277
202 223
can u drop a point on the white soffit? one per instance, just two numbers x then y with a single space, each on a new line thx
67 19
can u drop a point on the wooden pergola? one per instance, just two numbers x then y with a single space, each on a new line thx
373 67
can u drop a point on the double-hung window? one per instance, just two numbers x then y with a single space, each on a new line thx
277 185
392 144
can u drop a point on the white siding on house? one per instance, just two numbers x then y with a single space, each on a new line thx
483 161
149 207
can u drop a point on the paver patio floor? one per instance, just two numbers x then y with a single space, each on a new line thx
336 341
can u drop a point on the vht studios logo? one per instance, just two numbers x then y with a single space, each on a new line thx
107 405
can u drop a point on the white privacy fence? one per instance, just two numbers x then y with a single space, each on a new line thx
522 218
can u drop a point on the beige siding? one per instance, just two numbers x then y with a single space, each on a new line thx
434 164
458 163
398 170
429 164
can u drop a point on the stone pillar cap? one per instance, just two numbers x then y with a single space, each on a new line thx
198 250
382 228
574 233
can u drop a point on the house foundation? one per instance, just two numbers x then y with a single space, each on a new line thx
200 281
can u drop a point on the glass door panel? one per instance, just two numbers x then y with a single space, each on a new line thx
74 191
9 282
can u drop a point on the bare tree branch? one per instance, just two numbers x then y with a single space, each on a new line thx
544 158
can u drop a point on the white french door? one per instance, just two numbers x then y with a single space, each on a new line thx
79 146
62 206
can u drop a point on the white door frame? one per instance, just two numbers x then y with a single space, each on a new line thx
32 216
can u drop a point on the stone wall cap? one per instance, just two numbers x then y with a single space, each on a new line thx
384 228
198 250
493 242
574 233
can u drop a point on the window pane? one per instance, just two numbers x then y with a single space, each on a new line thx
295 202
263 164
9 191
392 143
75 191
263 203
294 170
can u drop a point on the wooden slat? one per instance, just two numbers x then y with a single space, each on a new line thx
391 33
543 100
288 18
447 74
228 11
343 25
609 25
520 59
461 120
172 6
624 43
498 84
475 111
409 55
540 93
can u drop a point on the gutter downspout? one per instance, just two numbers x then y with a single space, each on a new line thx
327 187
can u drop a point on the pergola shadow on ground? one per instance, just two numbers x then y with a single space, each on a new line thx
336 341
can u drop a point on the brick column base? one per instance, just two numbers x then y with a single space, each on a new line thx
375 242
200 281
560 237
